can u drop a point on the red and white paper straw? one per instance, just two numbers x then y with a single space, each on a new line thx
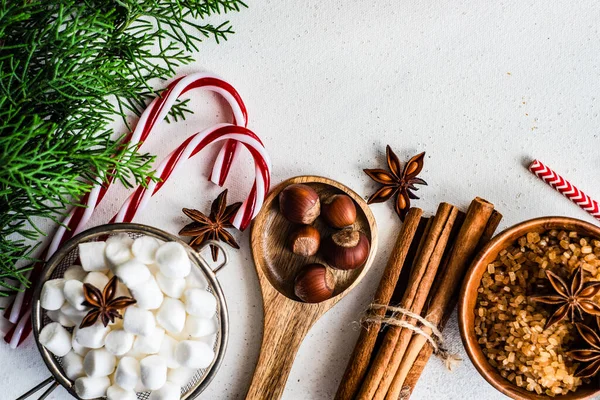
565 187
235 137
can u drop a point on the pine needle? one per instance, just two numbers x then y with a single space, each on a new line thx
63 64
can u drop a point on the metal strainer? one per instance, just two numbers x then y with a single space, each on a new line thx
66 256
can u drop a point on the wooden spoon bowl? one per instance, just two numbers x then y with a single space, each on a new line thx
287 319
468 299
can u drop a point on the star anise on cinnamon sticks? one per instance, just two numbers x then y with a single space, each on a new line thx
574 298
398 180
103 305
591 357
212 227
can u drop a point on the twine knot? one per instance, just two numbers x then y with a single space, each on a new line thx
435 338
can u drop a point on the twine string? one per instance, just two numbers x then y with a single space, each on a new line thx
435 338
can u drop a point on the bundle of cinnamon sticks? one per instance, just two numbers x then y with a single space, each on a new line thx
422 277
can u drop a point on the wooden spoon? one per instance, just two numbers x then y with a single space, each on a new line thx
287 320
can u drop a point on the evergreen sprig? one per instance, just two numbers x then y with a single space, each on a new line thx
68 68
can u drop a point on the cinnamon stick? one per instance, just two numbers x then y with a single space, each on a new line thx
469 236
419 302
359 361
421 279
490 229
417 367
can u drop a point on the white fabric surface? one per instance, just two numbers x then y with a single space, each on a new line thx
481 86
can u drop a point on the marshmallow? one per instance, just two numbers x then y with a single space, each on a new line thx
92 336
200 303
99 362
153 268
73 291
74 272
210 340
72 364
171 315
167 351
181 376
194 354
72 314
132 273
77 348
96 279
90 388
118 249
196 280
135 354
116 393
122 290
149 344
148 294
52 297
118 342
139 386
138 321
128 373
91 255
58 316
169 391
154 372
144 249
198 327
173 260
56 339
171 287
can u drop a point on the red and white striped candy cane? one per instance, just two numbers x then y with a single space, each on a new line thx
79 216
190 147
156 112
180 86
566 188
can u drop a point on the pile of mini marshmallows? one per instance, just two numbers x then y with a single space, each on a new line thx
161 341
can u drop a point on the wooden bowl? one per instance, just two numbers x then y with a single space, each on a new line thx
468 298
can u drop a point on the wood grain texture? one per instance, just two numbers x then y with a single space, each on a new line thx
287 320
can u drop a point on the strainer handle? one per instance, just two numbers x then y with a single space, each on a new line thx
225 261
38 387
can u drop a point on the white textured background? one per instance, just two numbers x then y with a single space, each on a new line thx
482 86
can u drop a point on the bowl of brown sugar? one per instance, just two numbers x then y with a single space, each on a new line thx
529 310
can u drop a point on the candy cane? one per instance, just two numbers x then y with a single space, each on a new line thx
566 188
139 199
155 112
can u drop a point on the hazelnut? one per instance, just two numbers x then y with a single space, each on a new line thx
299 204
338 211
347 249
314 284
305 241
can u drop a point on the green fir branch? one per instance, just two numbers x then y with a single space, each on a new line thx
68 68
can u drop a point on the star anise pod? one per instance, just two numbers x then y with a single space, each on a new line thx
400 181
575 296
591 357
213 227
103 305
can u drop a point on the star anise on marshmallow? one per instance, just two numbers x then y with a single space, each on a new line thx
103 304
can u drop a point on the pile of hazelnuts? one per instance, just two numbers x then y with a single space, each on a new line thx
345 249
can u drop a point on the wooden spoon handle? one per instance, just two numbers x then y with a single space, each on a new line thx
284 331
